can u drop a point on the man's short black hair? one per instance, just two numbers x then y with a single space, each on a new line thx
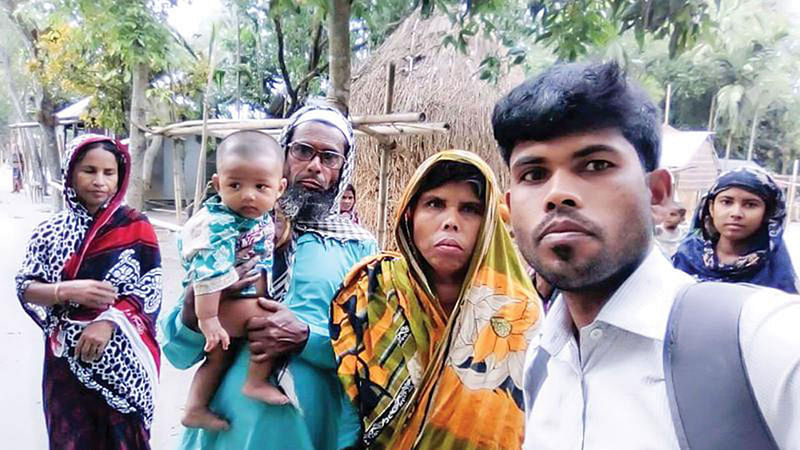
574 98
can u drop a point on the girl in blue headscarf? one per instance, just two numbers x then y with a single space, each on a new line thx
737 233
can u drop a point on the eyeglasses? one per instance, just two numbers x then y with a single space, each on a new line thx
306 152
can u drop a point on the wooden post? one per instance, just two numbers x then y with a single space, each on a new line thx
200 184
177 176
792 190
728 145
385 148
712 119
752 135
667 101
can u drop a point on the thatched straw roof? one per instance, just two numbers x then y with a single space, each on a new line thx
441 82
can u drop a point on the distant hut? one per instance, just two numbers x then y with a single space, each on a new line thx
434 79
692 160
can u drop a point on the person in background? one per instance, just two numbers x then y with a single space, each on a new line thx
347 205
91 279
669 233
737 233
17 170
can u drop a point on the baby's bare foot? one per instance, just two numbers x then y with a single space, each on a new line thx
265 392
204 418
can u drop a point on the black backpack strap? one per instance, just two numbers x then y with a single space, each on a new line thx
710 396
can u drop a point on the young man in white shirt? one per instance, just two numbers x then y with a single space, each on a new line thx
583 145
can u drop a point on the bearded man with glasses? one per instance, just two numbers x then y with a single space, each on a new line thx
307 271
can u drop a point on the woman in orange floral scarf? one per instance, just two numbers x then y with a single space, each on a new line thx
430 342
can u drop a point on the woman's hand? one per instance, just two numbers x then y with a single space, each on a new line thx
93 340
214 333
275 333
89 293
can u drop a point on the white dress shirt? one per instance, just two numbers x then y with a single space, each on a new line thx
607 391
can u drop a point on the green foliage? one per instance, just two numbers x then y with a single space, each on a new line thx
87 48
748 69
254 78
573 28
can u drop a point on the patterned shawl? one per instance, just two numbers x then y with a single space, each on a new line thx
331 225
117 245
767 263
418 378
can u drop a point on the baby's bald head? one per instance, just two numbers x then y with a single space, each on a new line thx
249 176
249 145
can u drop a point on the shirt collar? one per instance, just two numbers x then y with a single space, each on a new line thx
214 204
641 305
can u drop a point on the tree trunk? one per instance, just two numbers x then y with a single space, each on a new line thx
339 54
136 187
47 123
149 159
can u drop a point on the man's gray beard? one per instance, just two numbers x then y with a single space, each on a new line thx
305 205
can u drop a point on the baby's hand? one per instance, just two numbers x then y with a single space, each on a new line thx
214 333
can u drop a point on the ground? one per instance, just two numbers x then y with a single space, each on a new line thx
21 345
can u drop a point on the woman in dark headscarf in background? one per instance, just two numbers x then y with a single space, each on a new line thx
737 233
347 205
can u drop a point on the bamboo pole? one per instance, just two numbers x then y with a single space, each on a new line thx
200 183
177 177
375 131
728 145
385 148
261 124
712 116
752 135
792 191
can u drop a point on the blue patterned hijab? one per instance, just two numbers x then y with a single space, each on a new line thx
766 263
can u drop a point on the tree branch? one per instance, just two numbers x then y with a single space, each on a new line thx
282 62
314 69
316 47
181 40
302 87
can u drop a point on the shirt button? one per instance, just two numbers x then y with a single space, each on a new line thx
596 334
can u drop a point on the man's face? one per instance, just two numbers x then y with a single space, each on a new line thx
313 174
312 184
580 207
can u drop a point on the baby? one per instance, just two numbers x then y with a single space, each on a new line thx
232 227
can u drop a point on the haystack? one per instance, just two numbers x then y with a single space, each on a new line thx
439 81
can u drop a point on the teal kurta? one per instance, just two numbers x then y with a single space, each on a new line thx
327 420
